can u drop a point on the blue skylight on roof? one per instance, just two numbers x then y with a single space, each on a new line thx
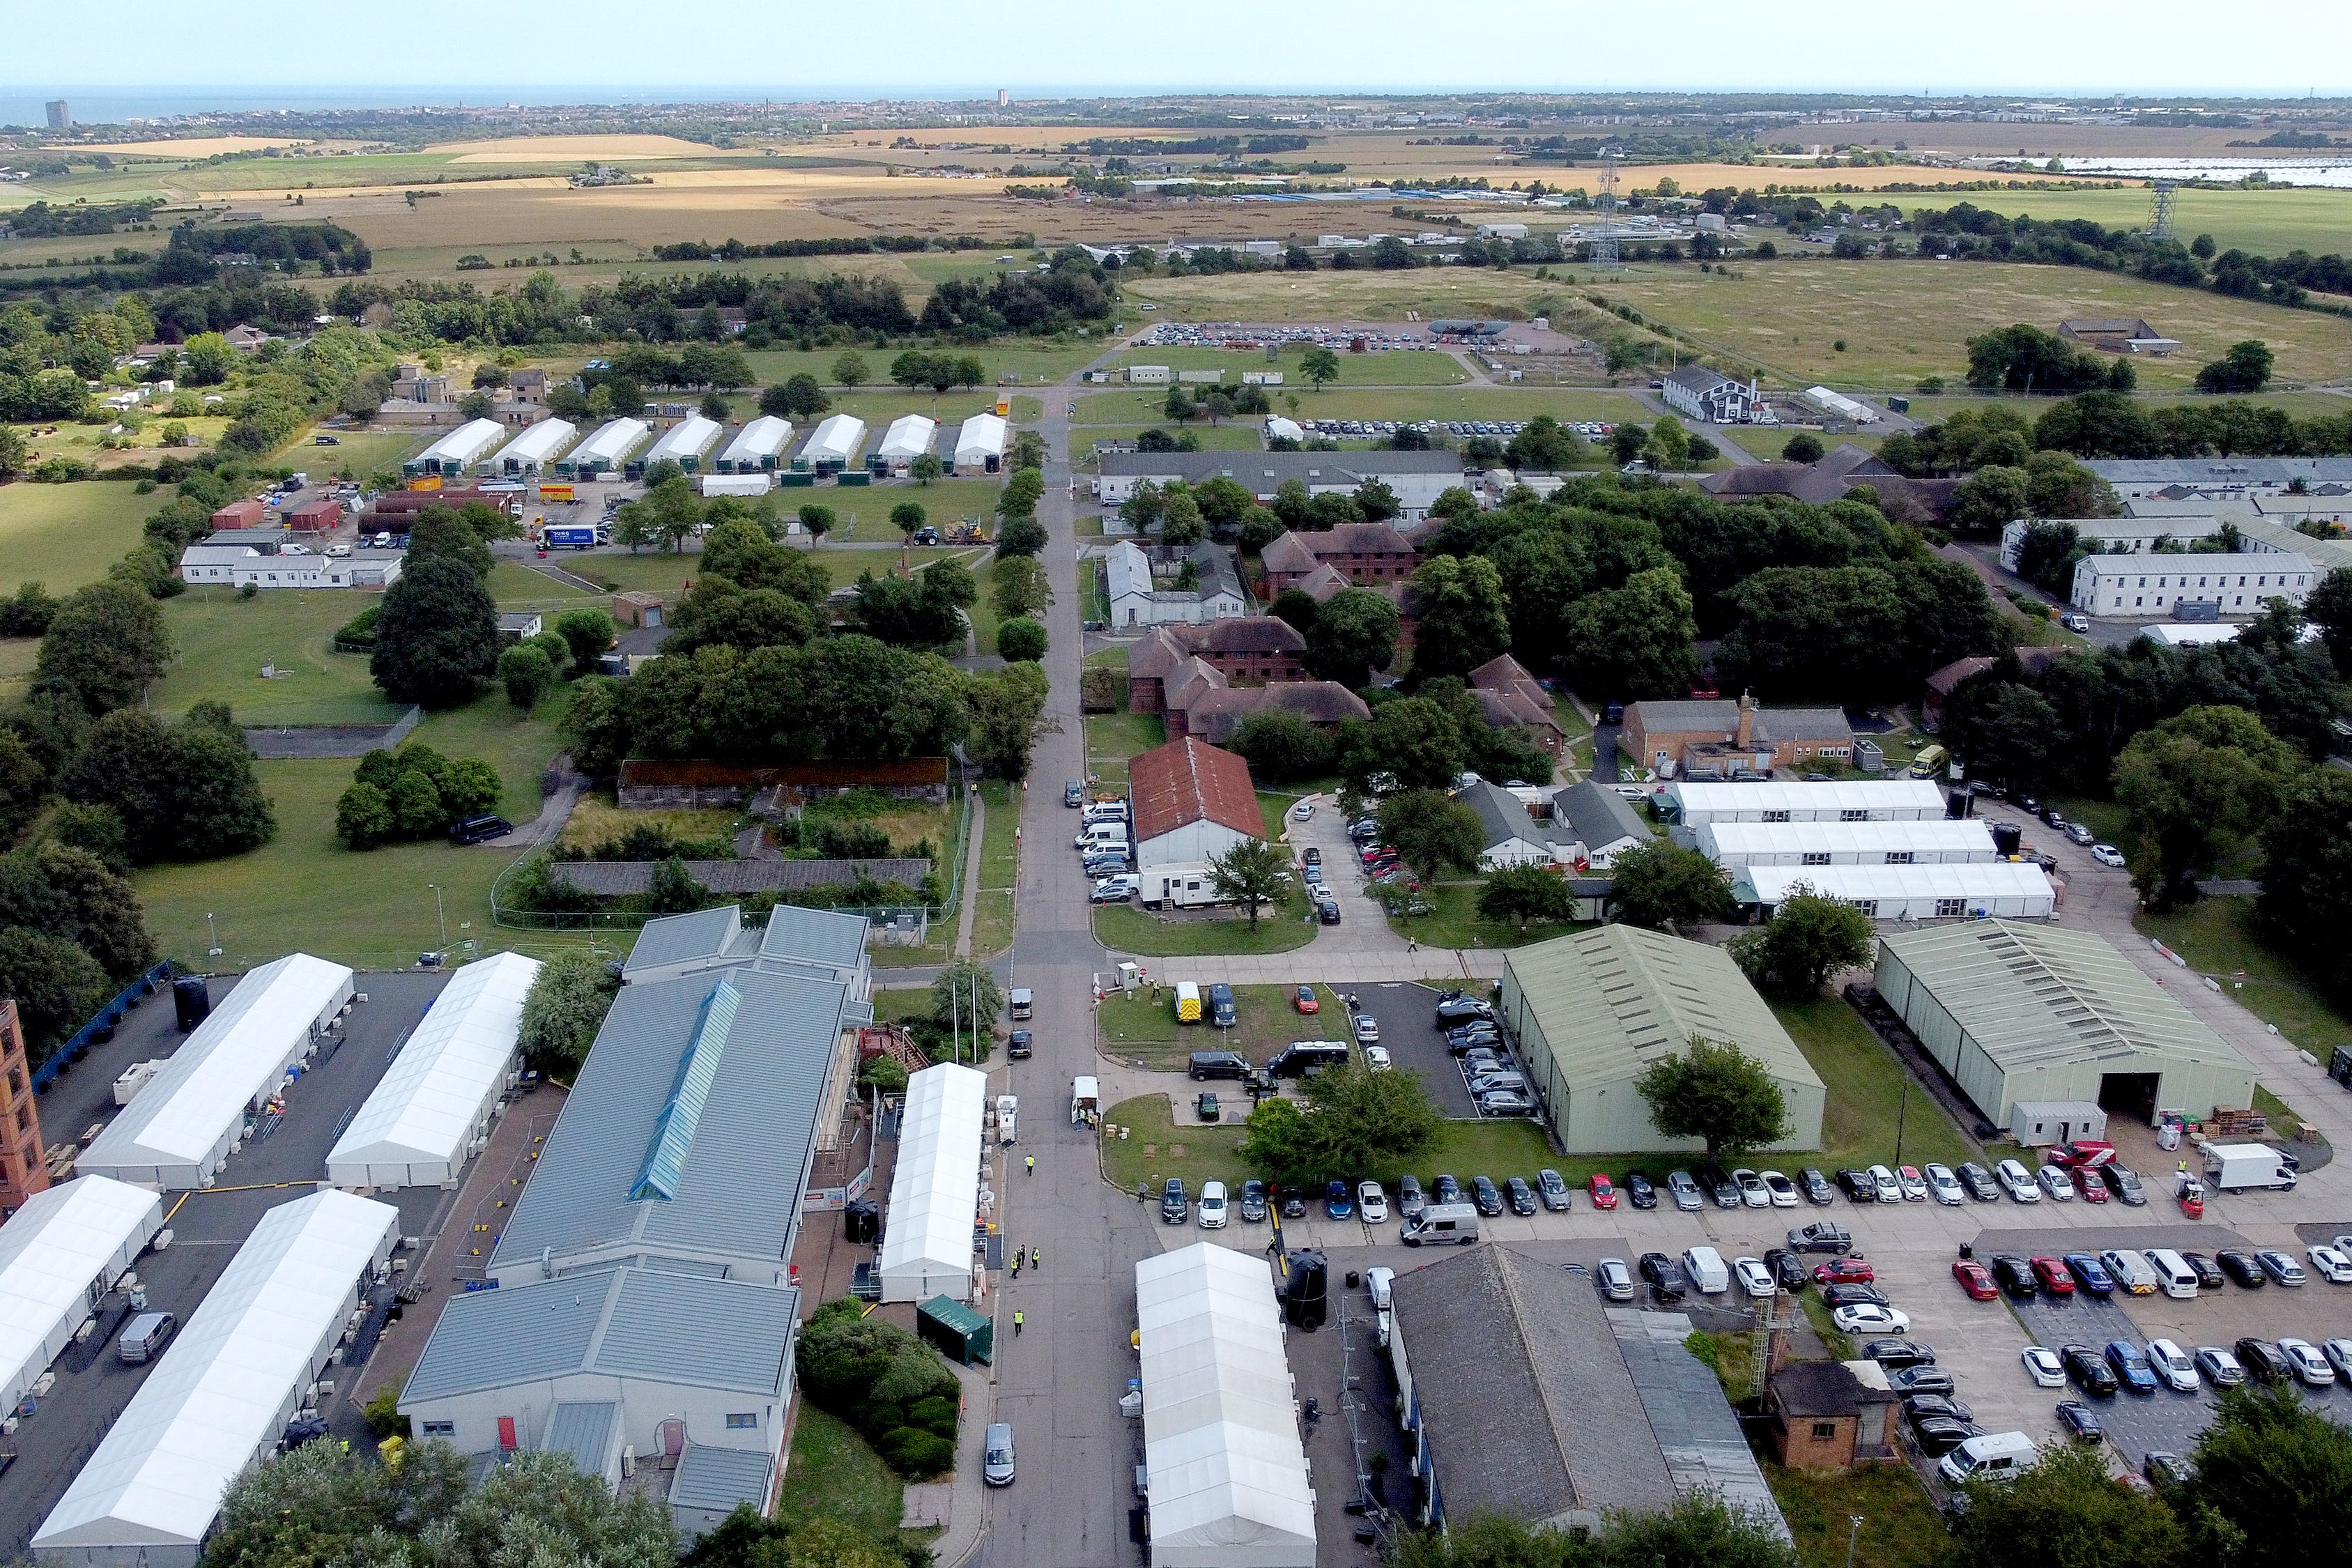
674 1128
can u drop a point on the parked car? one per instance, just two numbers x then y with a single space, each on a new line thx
2080 1424
1206 1106
2281 1267
1898 1352
1304 1000
1506 1102
1816 1188
1857 1185
2091 1276
2055 1181
1821 1235
1721 1187
1782 1190
1553 1190
1755 1278
2330 1265
2125 1185
2172 1365
2220 1368
1940 1435
2018 1182
1461 1009
2311 1368
1975 1280
1788 1268
1854 1296
2164 1469
1175 1208
2240 1265
2107 854
2090 1185
1942 1185
1913 1185
1339 1202
1371 1203
1979 1181
2208 1277
2089 1370
1376 1058
1869 1320
1921 1407
1599 1187
1615 1279
1885 1187
1639 1191
1074 793
1920 1380
996 1458
1753 1193
2130 1364
1850 1269
1665 1277
2015 1275
2339 1356
1485 1194
2264 1361
1213 1206
1522 1196
2051 1275
1368 1029
2043 1365
1252 1202
1445 1189
1684 1190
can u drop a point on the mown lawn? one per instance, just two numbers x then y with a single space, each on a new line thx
1866 1083
1156 1148
992 925
64 536
833 1473
1113 738
1188 933
1456 922
1143 1029
2218 937
225 642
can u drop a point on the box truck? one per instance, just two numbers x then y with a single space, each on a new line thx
2235 1167
577 536
1180 887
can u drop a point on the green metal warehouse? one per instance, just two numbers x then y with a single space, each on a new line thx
2024 1011
1593 1009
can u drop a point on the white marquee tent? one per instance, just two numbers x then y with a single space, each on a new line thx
935 1191
2004 889
420 1125
178 1130
979 444
223 1391
1839 800
910 437
1920 841
1227 1472
58 1253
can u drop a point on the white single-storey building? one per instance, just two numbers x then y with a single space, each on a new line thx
2131 585
1839 800
233 565
2000 889
1924 841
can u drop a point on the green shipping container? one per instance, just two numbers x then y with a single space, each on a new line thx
961 1333
798 479
854 476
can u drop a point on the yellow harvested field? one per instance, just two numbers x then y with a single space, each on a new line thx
551 149
1788 176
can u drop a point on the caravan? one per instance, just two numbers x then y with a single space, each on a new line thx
1178 887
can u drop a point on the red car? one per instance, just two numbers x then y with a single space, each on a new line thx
1306 999
1975 1280
2090 1183
2056 1277
1845 1271
1604 1196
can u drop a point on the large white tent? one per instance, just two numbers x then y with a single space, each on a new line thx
935 1191
910 437
223 1391
425 1118
1920 841
1227 1474
756 445
177 1132
534 449
1837 800
59 1253
979 444
2004 889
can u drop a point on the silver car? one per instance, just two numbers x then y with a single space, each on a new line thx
2056 1183
996 1454
1943 1185
1616 1281
1683 1190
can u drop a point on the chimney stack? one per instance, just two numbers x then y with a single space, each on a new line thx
1747 732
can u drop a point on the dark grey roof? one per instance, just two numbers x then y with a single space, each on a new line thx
1596 814
618 878
716 1479
1547 1388
1708 713
1701 380
1804 723
1504 816
582 1429
2220 471
675 938
1697 1435
825 936
1823 1388
1213 565
642 1323
1263 471
738 1191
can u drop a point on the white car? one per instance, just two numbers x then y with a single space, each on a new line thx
2107 854
2330 1265
1868 1319
1753 1193
293 549
2309 1365
1883 1182
1368 1029
1783 1191
1376 1058
1754 1278
2173 1365
1213 1206
1372 1203
1942 1185
2042 1364
1303 811
2056 1183
2018 1182
2339 1356
1377 1281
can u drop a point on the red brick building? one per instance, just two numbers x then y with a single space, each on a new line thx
1825 1418
22 1171
1366 553
1249 650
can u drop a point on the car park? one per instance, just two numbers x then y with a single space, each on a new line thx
2281 1267
1869 1320
2018 1182
1816 1186
2311 1367
2172 1365
1339 1202
1252 1202
1640 1191
1755 1278
1371 1203
2220 1367
1975 1280
1913 1185
2043 1365
2263 1361
1898 1352
1522 1196
2240 1267
2089 1371
1788 1268
1857 1185
1780 1189
2125 1185
1821 1235
1753 1193
1942 1185
1978 1181
1913 1380
1486 1195
2080 1424
2130 1364
1721 1187
1615 1280
1683 1191
2056 1183
2209 1275
1213 1206
2091 1277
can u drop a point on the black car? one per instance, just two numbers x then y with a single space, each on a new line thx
1445 1189
1898 1352
1471 1036
1522 1197
2089 1370
1174 1207
1484 1193
2126 1186
1936 1407
1461 1010
2015 1275
2242 1268
1857 1185
1293 1204
1327 912
1252 1202
1978 1181
2208 1278
480 829
1640 1192
1665 1275
2264 1361
1919 1380
2077 1417
1823 1236
1940 1435
1207 1107
1718 1183
1815 1187
1789 1271
1836 1296
1020 1045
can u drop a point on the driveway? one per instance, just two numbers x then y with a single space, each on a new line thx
1363 925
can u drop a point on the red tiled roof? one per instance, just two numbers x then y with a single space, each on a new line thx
1189 781
1241 633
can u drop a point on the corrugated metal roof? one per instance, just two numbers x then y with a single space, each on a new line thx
2032 995
716 1479
673 939
583 1429
819 936
1698 1437
489 1338
1189 781
1614 999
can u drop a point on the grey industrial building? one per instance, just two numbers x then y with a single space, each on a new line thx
2018 1010
642 1304
1591 1010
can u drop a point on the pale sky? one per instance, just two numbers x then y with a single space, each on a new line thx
926 47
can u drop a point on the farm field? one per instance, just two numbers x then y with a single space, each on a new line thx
1340 401
1902 321
1394 367
2267 223
66 535
1340 296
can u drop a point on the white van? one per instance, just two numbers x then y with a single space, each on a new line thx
1999 1455
2133 1275
1441 1224
2173 1275
1101 835
1707 1271
1104 811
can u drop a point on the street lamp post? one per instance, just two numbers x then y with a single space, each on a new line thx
1901 1114
211 937
440 915
1853 1534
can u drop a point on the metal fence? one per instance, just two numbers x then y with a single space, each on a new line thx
77 1047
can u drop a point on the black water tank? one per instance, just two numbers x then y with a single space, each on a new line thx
1305 1289
191 1001
2006 837
1960 803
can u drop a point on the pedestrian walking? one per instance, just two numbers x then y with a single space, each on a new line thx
1033 1258
1412 946
1016 1325
1016 1263
1029 1162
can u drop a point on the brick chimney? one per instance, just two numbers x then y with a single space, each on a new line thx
1746 735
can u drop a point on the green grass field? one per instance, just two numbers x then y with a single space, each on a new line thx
1113 738
2218 937
1000 861
1156 1148
1281 927
833 1473
1456 924
225 641
1027 362
1394 367
66 535
1339 401
1143 1029
1866 1083
2268 223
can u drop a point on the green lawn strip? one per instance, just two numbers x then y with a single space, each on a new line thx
1274 808
1390 367
518 587
1143 1029
833 1473
1113 738
1456 922
1027 360
898 1003
2111 823
1900 1527
356 454
1150 1152
1340 401
225 641
1186 934
1088 528
1866 1083
659 572
1839 1345
2219 937
992 927
64 536
1107 658
934 951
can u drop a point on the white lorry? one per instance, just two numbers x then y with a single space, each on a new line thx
2235 1167
1085 1102
1180 887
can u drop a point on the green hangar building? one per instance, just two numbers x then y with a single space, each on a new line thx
2023 1011
1593 1009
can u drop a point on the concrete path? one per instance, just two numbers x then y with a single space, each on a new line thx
971 877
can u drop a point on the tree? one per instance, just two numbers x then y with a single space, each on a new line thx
56 984
965 997
1180 521
2330 609
2197 784
850 370
1808 938
1524 893
1413 741
799 398
1279 1145
1700 1530
1008 714
1259 528
2065 1502
1223 501
563 1009
364 817
527 673
1363 1121
818 520
665 514
107 643
1021 494
1377 502
1636 642
1351 636
1658 884
2272 1482
908 516
1319 365
439 533
2245 368
1465 619
1022 536
1251 871
1714 1091
1989 499
207 359
1801 448
217 806
1545 446
436 642
1281 746
1431 831
588 632
1020 637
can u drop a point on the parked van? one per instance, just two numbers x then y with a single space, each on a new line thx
1221 1014
1104 811
2133 1275
2000 1454
1295 1059
1101 835
1926 764
1705 1268
1218 1064
2173 1275
1023 1000
1188 1002
1441 1224
143 1340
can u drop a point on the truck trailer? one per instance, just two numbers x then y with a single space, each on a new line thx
577 536
2236 1167
1180 887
